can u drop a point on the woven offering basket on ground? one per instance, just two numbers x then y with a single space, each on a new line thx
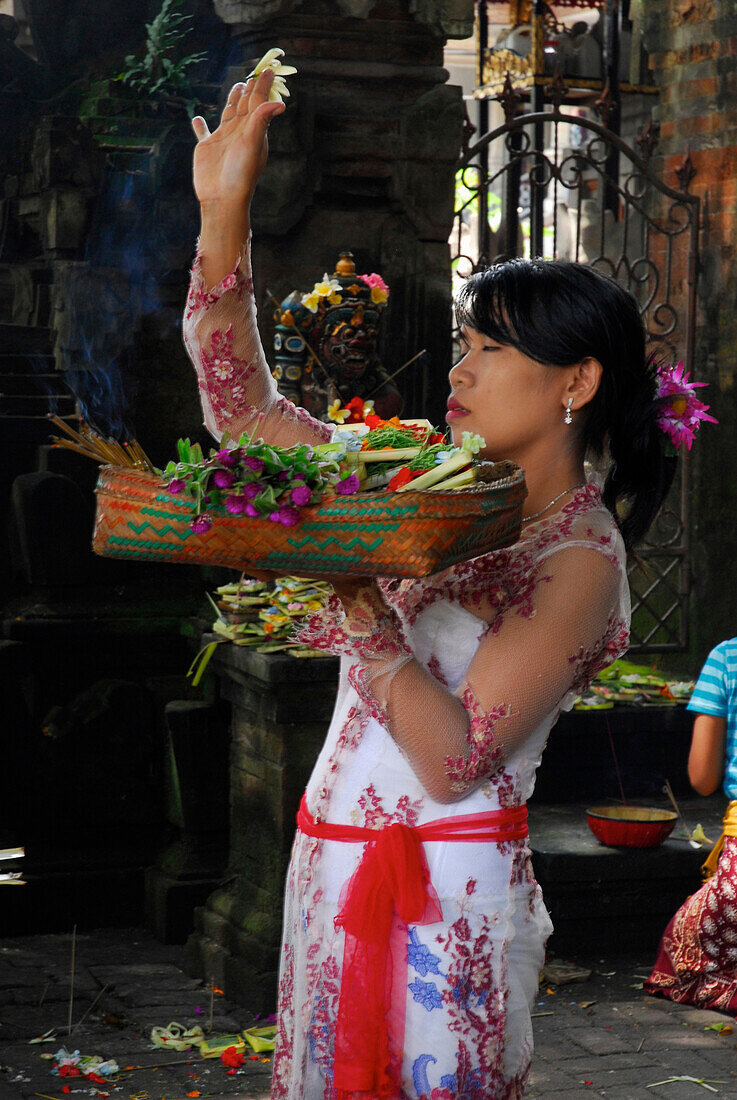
410 534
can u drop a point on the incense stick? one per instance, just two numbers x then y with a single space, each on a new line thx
669 791
396 372
212 1003
616 762
91 444
83 1018
71 980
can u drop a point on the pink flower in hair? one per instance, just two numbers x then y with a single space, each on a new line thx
680 413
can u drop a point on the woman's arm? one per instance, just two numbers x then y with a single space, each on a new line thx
519 675
221 336
706 758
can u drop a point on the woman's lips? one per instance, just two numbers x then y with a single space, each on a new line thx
455 410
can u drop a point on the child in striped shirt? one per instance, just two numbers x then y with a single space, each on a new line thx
697 961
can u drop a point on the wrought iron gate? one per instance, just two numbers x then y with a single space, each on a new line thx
560 185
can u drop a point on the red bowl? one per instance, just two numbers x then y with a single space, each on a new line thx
630 826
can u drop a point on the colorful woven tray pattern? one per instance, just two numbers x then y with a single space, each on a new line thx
370 534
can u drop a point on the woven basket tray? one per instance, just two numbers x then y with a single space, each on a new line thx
411 534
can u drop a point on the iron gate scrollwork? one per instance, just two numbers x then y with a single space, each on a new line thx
562 185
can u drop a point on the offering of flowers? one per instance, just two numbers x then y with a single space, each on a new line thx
261 616
252 478
623 682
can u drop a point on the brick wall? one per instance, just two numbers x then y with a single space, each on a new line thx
692 47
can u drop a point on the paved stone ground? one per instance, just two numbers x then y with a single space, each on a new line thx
603 1037
145 987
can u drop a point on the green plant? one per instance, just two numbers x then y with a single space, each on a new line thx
163 70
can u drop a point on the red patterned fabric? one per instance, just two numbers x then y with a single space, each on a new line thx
390 889
697 960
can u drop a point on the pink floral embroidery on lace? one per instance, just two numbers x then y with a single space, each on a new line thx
225 375
485 754
284 1026
433 667
376 817
370 629
504 581
587 662
200 298
301 416
476 1001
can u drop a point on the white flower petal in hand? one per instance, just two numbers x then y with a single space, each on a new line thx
271 61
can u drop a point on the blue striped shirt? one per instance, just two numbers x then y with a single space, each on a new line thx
716 693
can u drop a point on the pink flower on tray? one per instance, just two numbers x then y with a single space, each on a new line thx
288 515
680 413
227 457
223 478
201 525
348 485
253 463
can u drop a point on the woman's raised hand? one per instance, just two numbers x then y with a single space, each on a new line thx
229 161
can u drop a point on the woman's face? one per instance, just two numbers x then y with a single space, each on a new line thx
515 403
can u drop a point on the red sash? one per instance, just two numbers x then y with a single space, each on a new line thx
389 889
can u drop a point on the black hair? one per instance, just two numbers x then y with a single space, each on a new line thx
558 313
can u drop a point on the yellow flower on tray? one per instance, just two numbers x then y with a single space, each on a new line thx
271 60
338 414
311 302
378 295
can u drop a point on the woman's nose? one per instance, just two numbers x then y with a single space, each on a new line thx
458 371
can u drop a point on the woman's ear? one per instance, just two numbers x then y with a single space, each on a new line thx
584 381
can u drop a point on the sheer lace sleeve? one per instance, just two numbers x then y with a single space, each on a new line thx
237 390
520 673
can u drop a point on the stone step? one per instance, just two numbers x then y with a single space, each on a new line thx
26 340
621 897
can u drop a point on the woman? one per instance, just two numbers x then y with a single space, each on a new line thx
409 963
697 961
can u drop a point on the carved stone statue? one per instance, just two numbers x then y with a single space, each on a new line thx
326 343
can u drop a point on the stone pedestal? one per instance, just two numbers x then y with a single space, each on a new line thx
281 708
363 159
191 865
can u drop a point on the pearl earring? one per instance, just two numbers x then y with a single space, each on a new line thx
568 419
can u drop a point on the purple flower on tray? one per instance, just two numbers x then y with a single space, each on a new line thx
274 517
236 505
253 463
227 457
252 489
288 515
348 485
301 495
251 510
201 525
223 478
177 485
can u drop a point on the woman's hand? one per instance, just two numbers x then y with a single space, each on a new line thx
228 162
